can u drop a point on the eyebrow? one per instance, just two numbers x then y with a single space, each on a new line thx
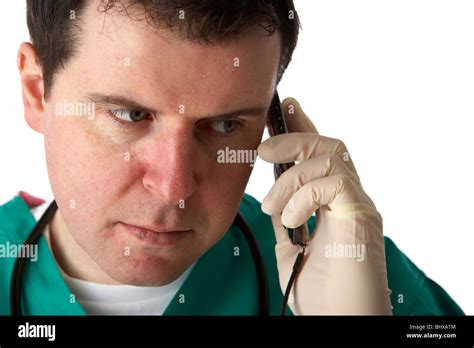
126 103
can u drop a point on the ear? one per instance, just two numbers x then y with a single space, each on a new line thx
32 86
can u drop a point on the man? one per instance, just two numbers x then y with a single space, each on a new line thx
136 100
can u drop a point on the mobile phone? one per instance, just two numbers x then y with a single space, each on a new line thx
277 125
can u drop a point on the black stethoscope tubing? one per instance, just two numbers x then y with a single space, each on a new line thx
36 233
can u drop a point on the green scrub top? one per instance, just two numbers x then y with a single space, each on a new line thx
223 281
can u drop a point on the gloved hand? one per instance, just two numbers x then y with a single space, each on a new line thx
344 270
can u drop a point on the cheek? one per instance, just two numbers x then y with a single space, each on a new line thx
225 182
81 171
223 191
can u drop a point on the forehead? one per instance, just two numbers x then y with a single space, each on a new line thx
126 56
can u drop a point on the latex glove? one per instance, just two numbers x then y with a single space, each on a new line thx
325 179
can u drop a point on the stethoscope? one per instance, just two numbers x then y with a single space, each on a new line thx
36 233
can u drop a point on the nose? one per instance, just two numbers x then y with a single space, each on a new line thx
170 166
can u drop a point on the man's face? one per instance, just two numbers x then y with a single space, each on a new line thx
161 172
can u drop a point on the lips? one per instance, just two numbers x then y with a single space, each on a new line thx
156 229
154 236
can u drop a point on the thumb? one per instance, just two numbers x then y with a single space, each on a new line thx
296 119
281 233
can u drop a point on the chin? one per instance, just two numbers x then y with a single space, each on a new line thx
155 272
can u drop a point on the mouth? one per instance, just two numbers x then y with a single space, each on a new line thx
164 237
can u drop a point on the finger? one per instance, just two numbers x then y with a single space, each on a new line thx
332 191
296 177
291 147
296 119
281 233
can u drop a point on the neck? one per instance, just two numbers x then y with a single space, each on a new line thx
71 259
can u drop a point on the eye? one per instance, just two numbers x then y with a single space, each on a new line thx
130 115
225 126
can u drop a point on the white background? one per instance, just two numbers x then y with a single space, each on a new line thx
393 79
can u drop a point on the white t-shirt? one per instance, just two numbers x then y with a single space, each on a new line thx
104 299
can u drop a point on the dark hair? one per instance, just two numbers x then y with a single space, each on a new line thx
56 37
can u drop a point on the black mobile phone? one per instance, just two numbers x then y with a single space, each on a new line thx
277 125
